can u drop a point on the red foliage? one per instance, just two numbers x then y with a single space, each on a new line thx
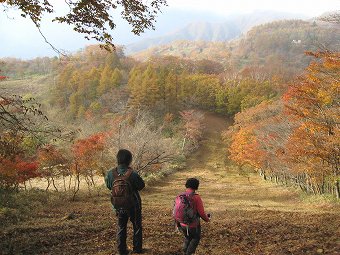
14 172
26 170
87 151
50 156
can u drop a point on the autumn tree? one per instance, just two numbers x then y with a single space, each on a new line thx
314 101
295 140
52 164
134 85
149 86
193 129
138 132
116 77
87 158
242 93
258 139
105 80
21 121
17 171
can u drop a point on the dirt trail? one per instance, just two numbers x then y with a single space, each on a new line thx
249 216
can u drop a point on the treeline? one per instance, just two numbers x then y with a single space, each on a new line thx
194 50
170 89
295 140
19 69
90 87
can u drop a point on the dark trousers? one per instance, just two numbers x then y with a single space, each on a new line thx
192 238
135 216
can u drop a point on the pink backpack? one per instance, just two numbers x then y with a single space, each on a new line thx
185 210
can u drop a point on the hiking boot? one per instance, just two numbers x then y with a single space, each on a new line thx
142 251
122 253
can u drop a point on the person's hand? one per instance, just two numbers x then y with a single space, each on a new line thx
209 216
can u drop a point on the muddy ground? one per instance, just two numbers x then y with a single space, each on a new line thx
249 216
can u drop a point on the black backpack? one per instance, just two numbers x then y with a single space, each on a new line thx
121 193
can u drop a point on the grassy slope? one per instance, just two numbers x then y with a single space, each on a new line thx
36 86
249 216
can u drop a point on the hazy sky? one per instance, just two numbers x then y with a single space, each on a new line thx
306 7
19 37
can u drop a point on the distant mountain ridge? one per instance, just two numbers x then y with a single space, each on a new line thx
231 28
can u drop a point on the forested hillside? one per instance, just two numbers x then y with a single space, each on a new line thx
90 82
275 48
280 46
20 69
95 82
195 50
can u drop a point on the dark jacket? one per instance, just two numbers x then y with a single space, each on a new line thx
136 181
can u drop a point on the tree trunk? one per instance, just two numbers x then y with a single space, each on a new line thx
92 180
53 183
88 182
69 183
183 144
64 181
337 189
48 183
76 186
264 175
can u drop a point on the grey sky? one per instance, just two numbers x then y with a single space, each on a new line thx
306 7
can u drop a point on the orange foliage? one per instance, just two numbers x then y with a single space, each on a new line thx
87 152
314 102
245 149
298 136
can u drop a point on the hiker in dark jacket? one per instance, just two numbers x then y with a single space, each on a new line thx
134 212
192 231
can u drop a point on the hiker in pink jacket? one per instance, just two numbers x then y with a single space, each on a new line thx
188 210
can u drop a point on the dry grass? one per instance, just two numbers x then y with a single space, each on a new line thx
36 86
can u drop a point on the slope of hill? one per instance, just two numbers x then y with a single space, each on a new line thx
272 46
196 50
284 43
249 216
232 27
